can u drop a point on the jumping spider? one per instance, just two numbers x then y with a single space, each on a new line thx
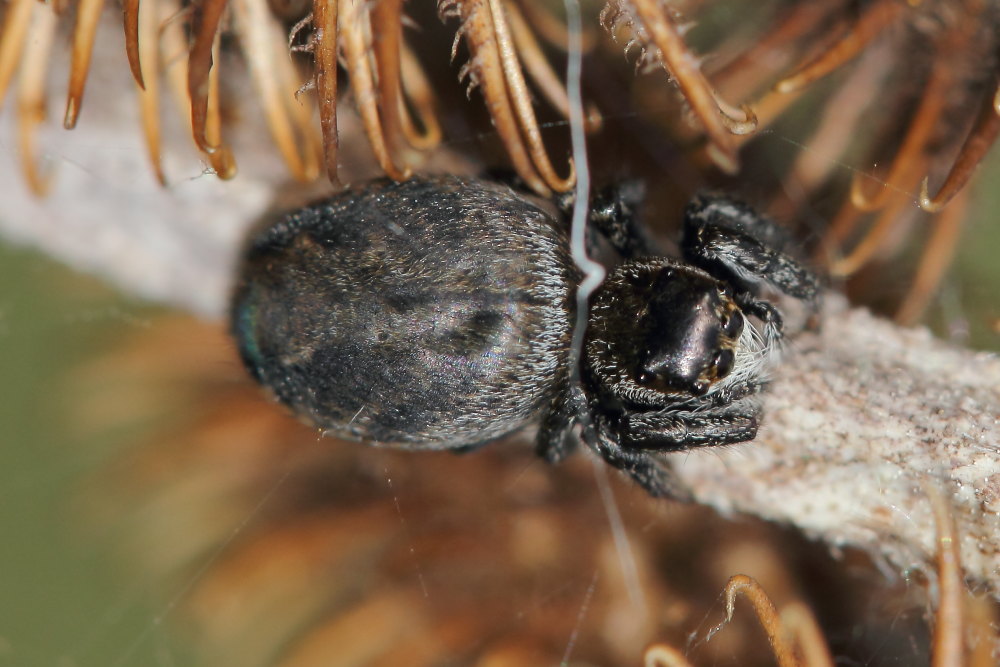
437 313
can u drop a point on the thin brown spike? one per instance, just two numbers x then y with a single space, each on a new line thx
925 120
766 110
289 82
31 94
352 21
477 28
873 239
845 221
88 13
937 257
839 120
147 41
541 72
767 615
517 91
744 74
678 60
325 58
948 643
459 631
220 157
552 29
387 28
800 623
869 25
17 18
421 95
259 33
981 629
130 19
199 67
173 50
663 655
369 627
794 634
731 117
976 145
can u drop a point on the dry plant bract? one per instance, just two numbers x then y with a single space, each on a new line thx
964 625
293 63
908 85
910 91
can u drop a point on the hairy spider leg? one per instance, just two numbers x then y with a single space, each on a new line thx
614 212
728 238
656 476
631 444
552 442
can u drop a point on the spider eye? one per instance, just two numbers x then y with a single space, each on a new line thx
723 363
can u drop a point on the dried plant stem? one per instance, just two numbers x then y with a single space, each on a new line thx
861 418
17 18
31 96
976 145
875 18
325 52
147 51
88 15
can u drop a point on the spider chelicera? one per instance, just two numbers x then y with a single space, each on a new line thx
437 313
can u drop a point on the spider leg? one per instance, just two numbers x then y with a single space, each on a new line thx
614 212
740 391
657 477
728 238
552 443
670 430
765 312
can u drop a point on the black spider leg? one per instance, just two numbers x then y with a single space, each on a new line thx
654 475
631 444
714 207
552 442
673 430
731 241
736 392
614 212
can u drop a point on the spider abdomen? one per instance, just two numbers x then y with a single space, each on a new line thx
432 313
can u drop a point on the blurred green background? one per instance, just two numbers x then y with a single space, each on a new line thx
972 292
64 601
